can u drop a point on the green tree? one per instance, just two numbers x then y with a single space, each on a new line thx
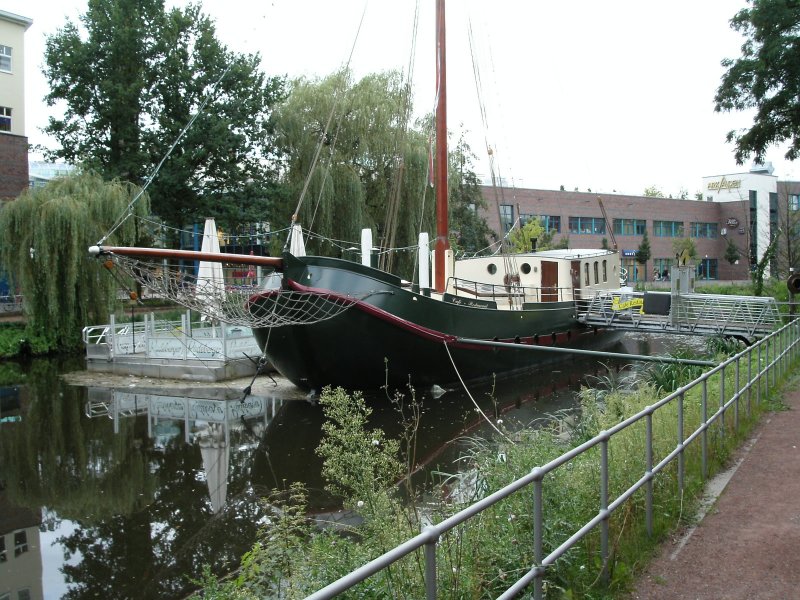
757 274
51 228
643 254
466 202
520 239
679 245
731 251
766 78
354 162
653 192
132 77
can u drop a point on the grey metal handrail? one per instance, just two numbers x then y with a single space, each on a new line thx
782 347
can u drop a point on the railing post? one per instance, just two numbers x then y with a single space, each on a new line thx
538 535
704 435
112 333
430 569
649 471
604 507
749 379
722 400
736 404
681 457
767 368
758 374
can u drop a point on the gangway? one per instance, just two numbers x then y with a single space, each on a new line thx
744 317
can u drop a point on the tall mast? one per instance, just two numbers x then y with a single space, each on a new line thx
442 241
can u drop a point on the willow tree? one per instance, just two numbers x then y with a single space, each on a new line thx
352 157
46 234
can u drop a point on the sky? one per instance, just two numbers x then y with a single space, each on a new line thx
604 96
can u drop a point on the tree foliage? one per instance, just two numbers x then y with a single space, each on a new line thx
353 159
644 253
679 245
470 232
653 192
132 77
765 78
731 251
47 232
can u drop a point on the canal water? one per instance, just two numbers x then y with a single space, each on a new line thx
127 493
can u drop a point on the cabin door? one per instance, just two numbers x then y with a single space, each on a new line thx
549 281
575 271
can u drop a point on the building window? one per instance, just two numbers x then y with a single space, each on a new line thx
629 226
551 223
20 542
596 273
587 225
707 268
704 230
5 59
661 267
3 554
506 217
5 118
668 228
605 272
586 272
794 201
632 268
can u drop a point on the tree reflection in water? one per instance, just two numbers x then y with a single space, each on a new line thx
144 518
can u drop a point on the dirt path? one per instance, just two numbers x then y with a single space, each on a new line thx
747 547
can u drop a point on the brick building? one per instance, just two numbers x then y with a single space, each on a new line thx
13 141
742 209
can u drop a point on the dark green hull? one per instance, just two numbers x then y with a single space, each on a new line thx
383 333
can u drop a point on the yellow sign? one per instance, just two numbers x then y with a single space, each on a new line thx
626 304
725 184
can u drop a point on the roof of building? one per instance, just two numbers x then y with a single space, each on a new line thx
16 19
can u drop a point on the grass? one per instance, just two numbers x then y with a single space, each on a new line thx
483 556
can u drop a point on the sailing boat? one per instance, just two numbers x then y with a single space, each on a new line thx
388 332
342 323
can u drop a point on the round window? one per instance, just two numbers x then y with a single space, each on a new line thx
525 268
492 268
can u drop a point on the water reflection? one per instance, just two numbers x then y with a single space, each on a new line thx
140 488
211 424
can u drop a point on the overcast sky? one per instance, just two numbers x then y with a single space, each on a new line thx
607 96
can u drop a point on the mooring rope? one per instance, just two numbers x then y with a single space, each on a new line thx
478 408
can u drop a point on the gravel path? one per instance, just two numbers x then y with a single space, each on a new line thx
747 547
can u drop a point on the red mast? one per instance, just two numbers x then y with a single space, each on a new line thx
442 240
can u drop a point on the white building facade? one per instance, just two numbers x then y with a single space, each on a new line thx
758 188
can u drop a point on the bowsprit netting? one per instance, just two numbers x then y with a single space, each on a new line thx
237 297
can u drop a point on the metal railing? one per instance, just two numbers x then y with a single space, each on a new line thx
706 314
154 338
11 304
513 294
775 354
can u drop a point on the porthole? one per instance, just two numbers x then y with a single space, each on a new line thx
492 268
525 268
